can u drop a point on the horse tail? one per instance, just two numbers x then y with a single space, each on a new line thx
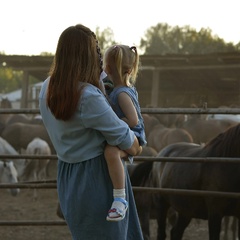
141 174
30 163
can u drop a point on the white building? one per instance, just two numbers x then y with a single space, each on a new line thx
16 96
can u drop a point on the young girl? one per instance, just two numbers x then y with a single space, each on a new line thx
121 65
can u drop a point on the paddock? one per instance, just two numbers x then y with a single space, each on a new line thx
46 223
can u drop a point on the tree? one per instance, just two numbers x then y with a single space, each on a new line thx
165 39
105 38
45 54
10 80
238 46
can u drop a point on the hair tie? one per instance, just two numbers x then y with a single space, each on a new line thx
133 48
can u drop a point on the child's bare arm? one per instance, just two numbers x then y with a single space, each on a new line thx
128 108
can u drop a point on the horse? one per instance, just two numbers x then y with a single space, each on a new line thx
36 169
25 134
161 136
149 122
8 174
146 152
23 118
170 120
203 130
146 204
7 149
230 225
164 120
230 117
220 177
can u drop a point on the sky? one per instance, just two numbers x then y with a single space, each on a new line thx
30 27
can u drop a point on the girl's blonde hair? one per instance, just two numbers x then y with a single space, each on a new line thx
124 62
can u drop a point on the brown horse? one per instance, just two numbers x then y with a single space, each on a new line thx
221 177
224 176
19 135
149 122
203 130
161 136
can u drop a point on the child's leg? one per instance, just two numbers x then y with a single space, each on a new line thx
113 156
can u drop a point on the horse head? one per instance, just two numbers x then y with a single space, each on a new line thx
8 174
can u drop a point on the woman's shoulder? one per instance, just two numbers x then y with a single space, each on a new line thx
89 90
44 87
45 82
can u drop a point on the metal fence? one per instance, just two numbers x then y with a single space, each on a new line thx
52 183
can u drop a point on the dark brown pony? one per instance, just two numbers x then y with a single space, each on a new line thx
221 177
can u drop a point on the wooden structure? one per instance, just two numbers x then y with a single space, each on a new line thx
182 80
163 80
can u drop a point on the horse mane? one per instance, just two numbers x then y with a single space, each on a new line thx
141 173
226 144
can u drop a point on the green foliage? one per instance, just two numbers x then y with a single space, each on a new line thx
10 80
105 38
238 46
165 39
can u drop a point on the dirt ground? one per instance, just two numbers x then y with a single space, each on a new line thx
24 208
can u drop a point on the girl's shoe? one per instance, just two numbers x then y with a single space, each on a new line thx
118 210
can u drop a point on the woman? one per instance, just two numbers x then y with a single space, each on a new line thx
80 122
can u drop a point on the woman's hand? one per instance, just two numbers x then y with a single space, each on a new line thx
135 148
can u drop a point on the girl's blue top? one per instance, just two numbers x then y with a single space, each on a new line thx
133 94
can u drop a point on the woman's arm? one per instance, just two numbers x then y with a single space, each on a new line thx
96 113
135 148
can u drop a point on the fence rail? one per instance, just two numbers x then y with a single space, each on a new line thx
32 223
51 184
138 159
165 191
203 110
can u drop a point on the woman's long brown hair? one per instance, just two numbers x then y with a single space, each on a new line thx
77 59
